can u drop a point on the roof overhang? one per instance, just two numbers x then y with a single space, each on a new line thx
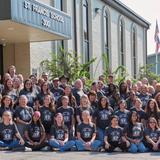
31 21
119 6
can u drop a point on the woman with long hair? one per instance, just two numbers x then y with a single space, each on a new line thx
35 133
6 105
68 115
44 91
86 134
68 92
123 90
102 117
152 110
152 135
29 92
8 133
59 135
47 113
134 134
84 105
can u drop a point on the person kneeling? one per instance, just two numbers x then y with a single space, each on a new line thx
86 134
59 135
114 137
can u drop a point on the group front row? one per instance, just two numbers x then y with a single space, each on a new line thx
133 138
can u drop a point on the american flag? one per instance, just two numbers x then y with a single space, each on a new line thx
156 38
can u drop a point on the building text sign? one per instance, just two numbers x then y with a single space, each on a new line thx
45 12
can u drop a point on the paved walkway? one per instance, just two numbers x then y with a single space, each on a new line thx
77 156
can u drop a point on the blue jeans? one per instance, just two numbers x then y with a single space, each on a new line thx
12 144
94 145
55 144
134 148
101 134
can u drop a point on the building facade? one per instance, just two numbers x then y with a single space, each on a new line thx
98 27
154 62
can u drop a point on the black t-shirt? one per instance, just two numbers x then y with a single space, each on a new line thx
103 116
141 113
136 131
8 132
34 131
3 109
86 131
123 118
114 134
57 92
24 113
59 132
67 113
79 111
153 134
47 116
144 98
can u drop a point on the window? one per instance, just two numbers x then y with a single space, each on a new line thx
85 31
121 42
134 55
59 5
106 33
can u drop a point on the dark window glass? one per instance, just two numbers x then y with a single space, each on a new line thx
134 53
85 30
106 33
121 33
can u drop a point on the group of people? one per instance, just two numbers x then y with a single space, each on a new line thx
42 114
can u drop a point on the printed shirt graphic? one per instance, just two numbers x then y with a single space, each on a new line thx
34 132
114 134
7 132
103 117
137 131
59 132
86 131
154 135
123 117
24 113
46 115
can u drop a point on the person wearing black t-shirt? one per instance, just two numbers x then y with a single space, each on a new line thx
84 105
115 136
23 114
47 113
59 135
123 114
152 135
102 117
6 105
68 115
86 134
134 133
35 133
8 133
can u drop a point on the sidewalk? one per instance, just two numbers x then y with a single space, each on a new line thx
77 156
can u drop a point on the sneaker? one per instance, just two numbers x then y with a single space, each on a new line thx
46 148
28 149
101 149
117 149
55 149
4 148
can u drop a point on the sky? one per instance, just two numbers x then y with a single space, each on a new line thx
150 11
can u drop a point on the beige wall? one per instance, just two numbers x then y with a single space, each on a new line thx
18 55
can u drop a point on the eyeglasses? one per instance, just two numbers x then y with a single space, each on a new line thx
152 122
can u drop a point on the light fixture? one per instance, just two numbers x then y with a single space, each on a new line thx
97 10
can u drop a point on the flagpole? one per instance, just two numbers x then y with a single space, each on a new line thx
157 63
